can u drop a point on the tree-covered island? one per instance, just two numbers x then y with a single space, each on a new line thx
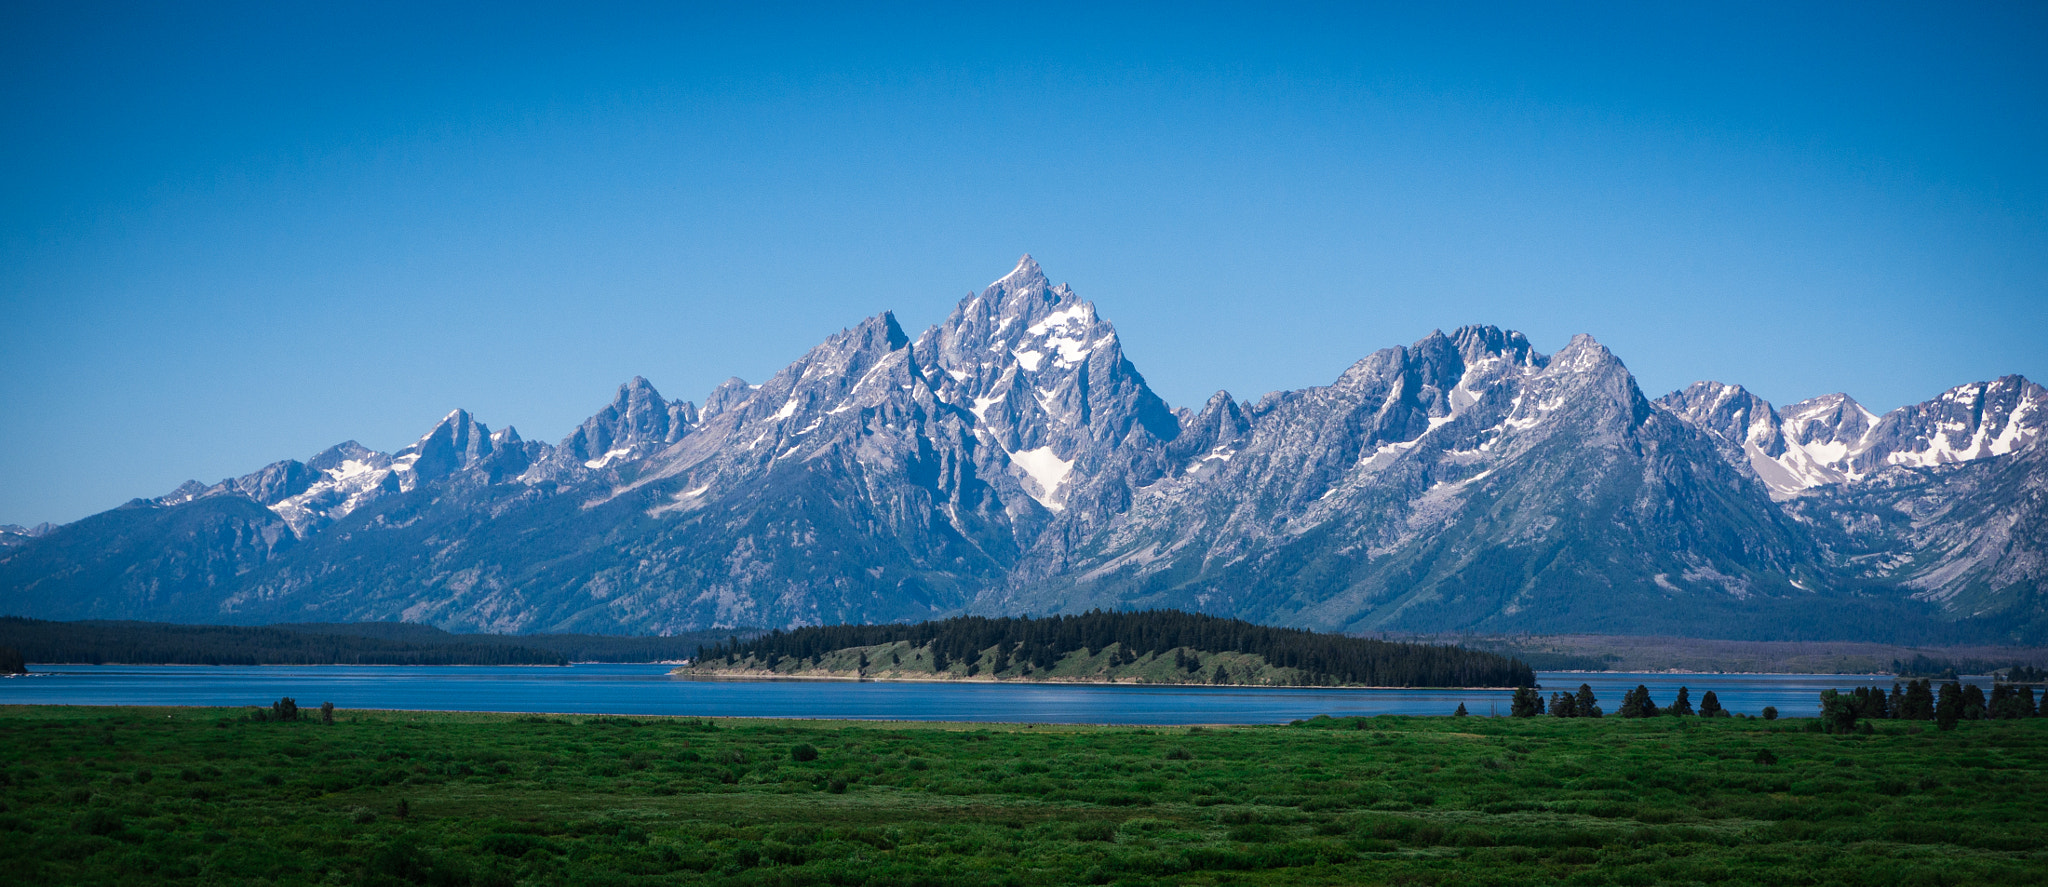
1150 647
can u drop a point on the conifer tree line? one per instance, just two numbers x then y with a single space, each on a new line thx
2026 674
1924 666
1325 659
12 662
1636 703
1919 700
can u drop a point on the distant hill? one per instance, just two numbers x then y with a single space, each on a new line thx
372 643
1151 647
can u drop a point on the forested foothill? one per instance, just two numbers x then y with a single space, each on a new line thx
1152 646
151 795
367 643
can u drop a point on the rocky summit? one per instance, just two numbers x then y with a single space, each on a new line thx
1012 460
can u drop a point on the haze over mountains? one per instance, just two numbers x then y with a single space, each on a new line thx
1011 460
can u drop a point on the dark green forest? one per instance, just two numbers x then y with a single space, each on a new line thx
368 643
1040 643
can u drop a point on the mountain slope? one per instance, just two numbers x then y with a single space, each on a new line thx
1011 459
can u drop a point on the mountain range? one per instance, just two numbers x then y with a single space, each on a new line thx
1012 460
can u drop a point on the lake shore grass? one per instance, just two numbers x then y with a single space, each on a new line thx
194 795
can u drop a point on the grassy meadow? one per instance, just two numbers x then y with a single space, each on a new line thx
208 796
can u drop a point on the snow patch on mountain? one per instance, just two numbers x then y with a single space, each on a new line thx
1048 471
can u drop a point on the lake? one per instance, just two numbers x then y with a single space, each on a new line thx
649 690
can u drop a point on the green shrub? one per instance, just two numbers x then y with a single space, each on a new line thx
100 822
1095 830
1255 833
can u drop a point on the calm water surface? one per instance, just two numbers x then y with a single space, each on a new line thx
649 690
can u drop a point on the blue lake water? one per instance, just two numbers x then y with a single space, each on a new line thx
649 690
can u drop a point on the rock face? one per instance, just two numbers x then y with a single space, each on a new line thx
1464 482
1011 459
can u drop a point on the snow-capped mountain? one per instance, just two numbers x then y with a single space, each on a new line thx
1832 439
1789 456
1012 459
1466 481
1966 423
16 534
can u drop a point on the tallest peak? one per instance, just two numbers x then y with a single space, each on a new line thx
1027 270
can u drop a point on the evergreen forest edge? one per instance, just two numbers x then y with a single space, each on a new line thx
1109 645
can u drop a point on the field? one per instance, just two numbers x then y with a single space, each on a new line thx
140 795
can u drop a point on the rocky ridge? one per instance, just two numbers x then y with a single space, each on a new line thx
1011 459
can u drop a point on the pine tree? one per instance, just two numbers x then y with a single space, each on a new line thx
1526 703
1919 705
1710 706
1974 708
1837 711
1564 705
1948 709
1588 706
1681 706
2002 705
1636 703
1897 703
1461 712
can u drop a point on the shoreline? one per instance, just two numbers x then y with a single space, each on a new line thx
671 664
1065 682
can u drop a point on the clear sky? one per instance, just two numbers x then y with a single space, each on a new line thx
236 234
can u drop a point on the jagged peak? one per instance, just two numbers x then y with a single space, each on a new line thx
1970 392
1026 274
1702 390
1023 294
185 492
346 451
727 394
893 330
638 393
1583 354
881 329
456 418
1476 342
1726 409
1825 402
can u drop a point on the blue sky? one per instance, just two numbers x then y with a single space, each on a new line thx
236 234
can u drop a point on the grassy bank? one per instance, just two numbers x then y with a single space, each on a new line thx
136 795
